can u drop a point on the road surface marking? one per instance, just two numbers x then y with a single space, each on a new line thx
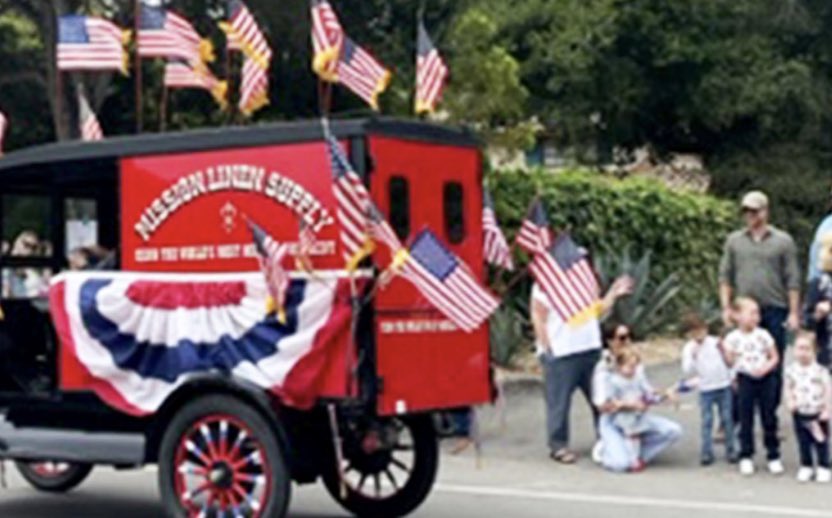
693 505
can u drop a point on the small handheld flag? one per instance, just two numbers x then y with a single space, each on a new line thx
179 74
91 43
89 126
254 87
495 246
360 72
244 34
165 34
447 283
327 39
560 267
353 204
431 73
271 255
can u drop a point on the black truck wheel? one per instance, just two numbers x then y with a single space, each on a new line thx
220 457
53 477
388 466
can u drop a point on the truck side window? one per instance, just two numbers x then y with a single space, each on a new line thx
398 191
454 212
26 226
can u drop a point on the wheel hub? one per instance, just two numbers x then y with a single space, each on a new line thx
221 475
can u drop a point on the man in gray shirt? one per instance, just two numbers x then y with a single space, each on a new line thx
760 262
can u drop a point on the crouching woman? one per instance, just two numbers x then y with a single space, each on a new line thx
621 450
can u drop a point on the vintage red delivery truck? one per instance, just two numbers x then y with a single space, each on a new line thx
134 328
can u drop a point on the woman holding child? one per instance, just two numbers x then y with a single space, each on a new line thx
630 436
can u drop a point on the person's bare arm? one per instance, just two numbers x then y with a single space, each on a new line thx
793 321
540 313
771 364
622 286
726 296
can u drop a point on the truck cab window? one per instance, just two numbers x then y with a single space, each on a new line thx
26 241
82 250
454 212
399 198
26 226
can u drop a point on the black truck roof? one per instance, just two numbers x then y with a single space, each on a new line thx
231 137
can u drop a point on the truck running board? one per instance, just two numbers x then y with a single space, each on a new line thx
70 446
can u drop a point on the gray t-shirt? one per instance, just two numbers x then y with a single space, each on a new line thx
764 270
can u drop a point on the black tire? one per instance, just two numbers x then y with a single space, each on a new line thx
67 479
261 435
409 496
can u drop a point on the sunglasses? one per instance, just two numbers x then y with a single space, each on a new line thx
622 337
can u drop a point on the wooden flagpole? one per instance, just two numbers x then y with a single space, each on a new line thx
137 15
163 109
59 98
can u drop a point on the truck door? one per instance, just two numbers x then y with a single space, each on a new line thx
423 361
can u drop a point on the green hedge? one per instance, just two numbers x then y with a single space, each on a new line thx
684 231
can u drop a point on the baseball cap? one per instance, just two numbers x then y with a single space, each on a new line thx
755 200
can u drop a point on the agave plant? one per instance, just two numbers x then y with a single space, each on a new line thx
508 329
647 310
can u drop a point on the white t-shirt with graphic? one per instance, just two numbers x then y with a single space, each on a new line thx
808 388
751 350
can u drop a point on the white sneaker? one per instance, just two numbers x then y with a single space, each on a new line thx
823 475
598 452
775 467
746 467
805 474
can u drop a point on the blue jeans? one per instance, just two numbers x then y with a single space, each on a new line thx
723 400
619 452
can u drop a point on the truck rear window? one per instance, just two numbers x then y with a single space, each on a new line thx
399 197
454 212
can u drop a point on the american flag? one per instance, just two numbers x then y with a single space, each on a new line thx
179 74
271 255
89 43
254 87
447 283
431 73
88 122
327 38
244 34
306 241
534 233
495 245
165 34
353 205
361 72
559 266
4 126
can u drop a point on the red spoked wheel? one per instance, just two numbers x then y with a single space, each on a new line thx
53 477
220 458
220 468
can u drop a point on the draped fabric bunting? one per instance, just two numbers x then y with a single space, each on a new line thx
140 336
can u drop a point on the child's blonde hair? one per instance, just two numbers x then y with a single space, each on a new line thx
807 335
626 356
742 303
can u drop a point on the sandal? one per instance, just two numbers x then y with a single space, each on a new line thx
564 456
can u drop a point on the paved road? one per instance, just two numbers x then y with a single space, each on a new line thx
514 480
